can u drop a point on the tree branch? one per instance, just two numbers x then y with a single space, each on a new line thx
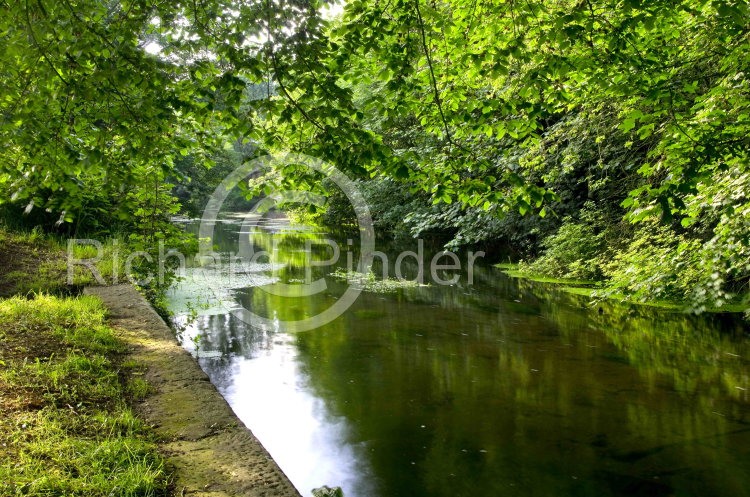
39 47
277 73
432 75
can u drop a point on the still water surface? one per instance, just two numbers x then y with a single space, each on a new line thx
502 388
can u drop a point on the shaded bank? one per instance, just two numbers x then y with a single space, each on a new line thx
595 290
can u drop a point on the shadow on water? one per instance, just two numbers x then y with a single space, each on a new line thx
504 387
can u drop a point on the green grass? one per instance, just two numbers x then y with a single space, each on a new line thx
733 307
736 307
513 271
54 271
38 262
88 456
593 293
507 265
590 288
66 427
577 290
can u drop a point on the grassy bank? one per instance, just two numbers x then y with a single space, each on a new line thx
516 271
66 386
35 262
597 290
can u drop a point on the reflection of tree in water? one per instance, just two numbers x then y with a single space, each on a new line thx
531 399
234 339
231 336
220 370
708 354
290 250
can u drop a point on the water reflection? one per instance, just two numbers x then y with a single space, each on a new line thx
502 388
269 393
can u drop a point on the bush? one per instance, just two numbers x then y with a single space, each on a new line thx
574 250
660 264
657 265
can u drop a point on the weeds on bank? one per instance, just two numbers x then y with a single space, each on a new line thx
65 424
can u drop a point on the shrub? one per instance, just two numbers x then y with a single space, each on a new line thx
657 265
573 251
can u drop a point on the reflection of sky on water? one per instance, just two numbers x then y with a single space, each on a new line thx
292 424
259 376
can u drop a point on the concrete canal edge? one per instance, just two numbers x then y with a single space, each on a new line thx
210 451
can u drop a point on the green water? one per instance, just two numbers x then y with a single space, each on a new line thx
501 388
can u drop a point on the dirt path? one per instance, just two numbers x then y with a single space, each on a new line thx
211 452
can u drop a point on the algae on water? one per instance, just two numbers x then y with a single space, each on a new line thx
371 283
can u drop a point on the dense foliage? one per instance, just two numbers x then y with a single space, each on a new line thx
626 120
608 136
